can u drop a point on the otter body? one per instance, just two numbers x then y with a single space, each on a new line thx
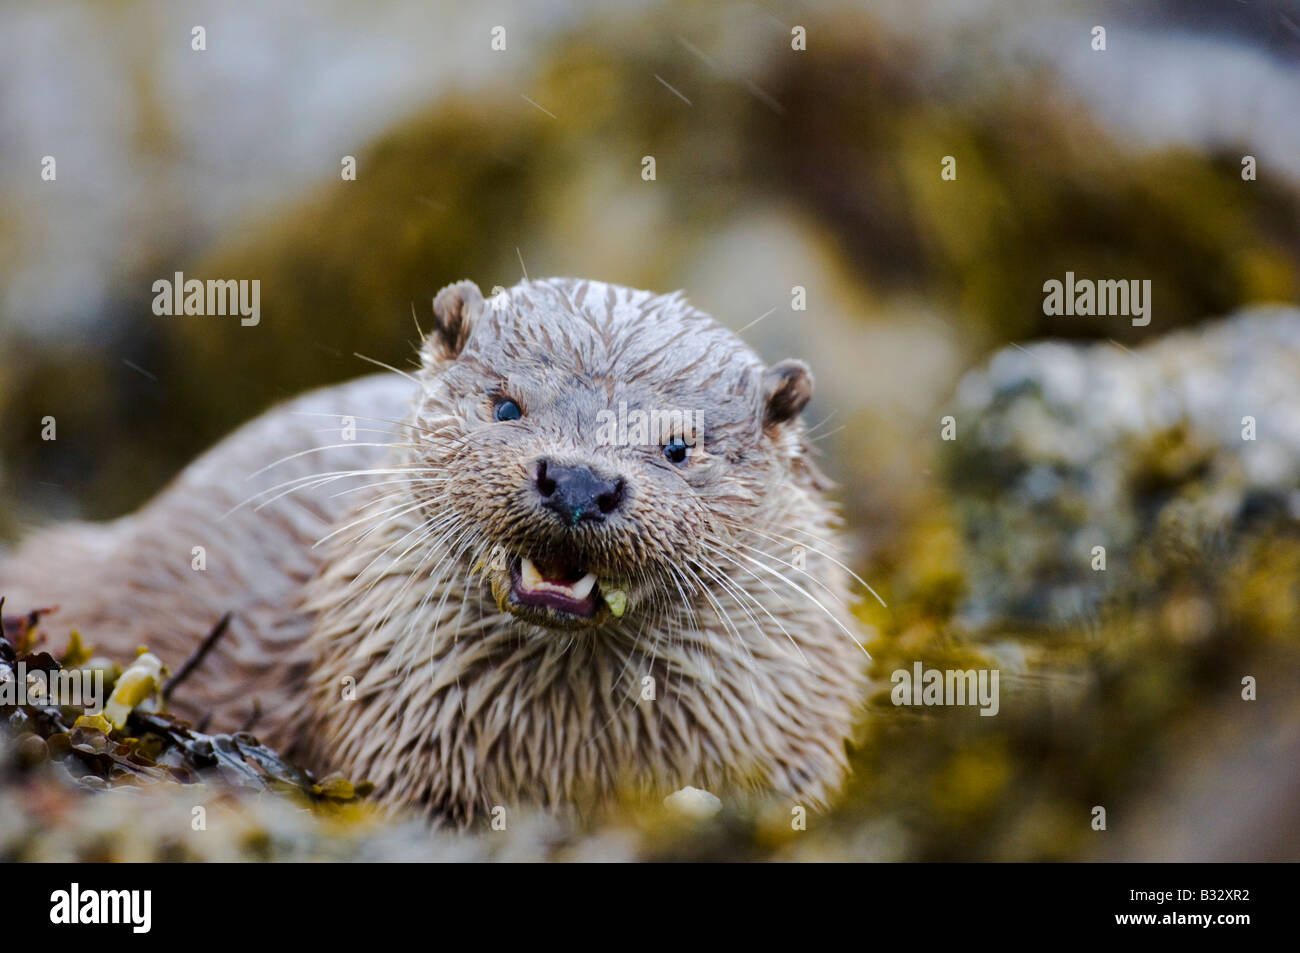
466 586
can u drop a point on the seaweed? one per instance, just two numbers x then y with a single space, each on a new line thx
150 746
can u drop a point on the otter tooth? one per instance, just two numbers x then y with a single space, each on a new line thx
528 574
532 580
583 586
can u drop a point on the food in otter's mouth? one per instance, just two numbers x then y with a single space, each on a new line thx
554 584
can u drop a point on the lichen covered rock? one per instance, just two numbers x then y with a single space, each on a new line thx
1071 458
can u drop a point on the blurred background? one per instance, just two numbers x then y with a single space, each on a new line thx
775 167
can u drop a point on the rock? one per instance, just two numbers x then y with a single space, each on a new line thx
693 803
1182 446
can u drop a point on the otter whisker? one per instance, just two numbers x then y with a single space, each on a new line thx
423 528
811 598
742 529
311 481
416 481
741 591
813 579
393 601
824 555
405 507
370 508
828 433
456 526
722 617
741 596
821 423
344 445
446 592
729 594
367 430
388 367
383 420
426 528
403 638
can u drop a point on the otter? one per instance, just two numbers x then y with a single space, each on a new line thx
452 583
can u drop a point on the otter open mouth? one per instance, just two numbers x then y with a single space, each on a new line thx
558 592
557 585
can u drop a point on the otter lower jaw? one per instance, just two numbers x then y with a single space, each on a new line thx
555 593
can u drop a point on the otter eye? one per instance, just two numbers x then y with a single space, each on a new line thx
675 450
507 410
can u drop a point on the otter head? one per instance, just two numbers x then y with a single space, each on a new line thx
589 448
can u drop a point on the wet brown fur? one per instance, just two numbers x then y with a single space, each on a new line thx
364 617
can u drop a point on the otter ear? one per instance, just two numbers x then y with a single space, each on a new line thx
455 309
787 388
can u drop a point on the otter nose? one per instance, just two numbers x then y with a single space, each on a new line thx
576 493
